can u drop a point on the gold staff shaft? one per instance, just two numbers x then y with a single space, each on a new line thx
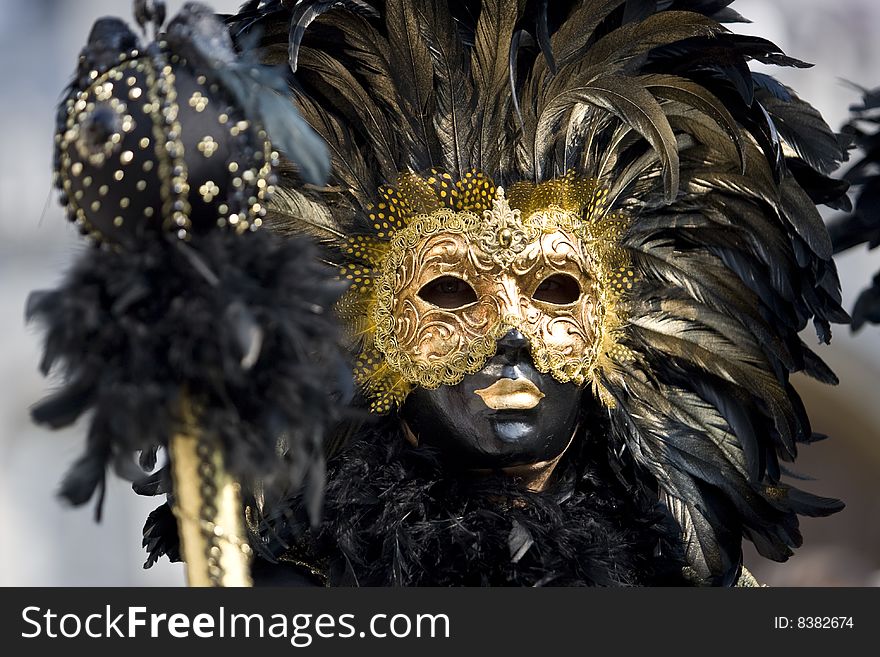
207 504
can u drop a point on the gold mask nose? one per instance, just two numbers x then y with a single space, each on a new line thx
510 297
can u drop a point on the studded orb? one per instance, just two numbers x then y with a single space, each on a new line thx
151 145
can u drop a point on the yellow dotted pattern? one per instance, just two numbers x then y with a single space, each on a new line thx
385 388
609 227
475 193
597 207
360 276
389 215
353 310
623 279
444 188
582 196
419 195
366 249
621 354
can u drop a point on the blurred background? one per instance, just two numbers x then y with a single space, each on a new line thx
43 543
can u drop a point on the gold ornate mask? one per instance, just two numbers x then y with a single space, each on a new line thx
453 268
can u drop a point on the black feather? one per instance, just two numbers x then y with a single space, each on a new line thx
455 102
411 61
862 224
804 130
160 536
130 367
396 515
304 12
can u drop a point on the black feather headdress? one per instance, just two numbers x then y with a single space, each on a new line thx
714 172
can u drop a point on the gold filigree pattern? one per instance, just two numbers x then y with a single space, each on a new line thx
427 228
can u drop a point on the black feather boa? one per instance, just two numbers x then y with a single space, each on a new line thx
399 515
240 324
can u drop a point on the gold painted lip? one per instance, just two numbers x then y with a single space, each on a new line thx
511 394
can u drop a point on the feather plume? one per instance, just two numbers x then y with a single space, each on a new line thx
489 65
804 131
351 96
631 103
411 61
306 11
455 100
696 97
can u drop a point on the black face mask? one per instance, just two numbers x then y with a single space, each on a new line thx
458 420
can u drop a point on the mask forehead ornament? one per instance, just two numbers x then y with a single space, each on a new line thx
453 266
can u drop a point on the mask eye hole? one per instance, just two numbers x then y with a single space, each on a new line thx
559 289
448 292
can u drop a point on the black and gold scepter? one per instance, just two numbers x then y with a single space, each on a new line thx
187 329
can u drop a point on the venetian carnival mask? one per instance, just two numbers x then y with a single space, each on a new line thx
483 314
